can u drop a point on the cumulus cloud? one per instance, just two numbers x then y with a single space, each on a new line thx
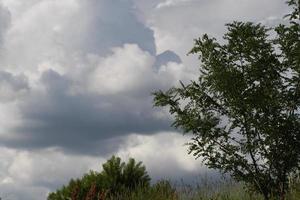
78 28
31 175
177 22
128 69
116 102
177 163
12 86
90 75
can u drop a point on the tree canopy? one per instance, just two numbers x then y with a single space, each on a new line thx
243 110
117 177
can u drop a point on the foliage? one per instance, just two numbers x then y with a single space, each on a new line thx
117 177
243 111
206 190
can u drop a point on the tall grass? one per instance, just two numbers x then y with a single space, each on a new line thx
205 189
209 190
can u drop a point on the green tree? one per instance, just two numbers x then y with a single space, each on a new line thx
113 174
127 176
135 175
117 177
243 111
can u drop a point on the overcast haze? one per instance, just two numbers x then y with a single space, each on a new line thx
76 78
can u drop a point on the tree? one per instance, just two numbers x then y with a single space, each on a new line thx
135 175
117 177
243 111
128 176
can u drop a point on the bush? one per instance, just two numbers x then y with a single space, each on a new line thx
116 178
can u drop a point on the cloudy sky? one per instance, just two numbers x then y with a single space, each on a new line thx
76 78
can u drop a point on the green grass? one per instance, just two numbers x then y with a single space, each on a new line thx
224 189
219 190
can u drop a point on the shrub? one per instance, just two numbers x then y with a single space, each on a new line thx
116 178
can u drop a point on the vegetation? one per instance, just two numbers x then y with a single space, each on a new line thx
116 178
92 187
244 109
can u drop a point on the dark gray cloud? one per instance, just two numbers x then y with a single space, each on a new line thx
84 121
165 57
81 122
12 86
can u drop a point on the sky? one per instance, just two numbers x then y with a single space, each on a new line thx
76 78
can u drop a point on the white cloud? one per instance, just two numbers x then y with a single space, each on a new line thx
164 154
33 36
127 69
175 27
32 174
168 3
78 28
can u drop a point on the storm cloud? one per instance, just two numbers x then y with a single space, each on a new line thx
100 89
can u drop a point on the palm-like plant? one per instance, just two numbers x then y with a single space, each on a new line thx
112 173
135 174
117 177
